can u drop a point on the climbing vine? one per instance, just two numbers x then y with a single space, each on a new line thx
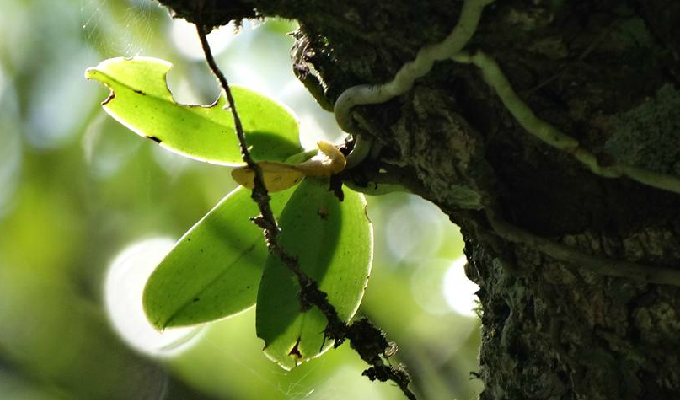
451 48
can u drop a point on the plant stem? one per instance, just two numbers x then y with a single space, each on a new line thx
310 294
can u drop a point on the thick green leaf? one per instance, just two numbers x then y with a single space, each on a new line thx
214 270
140 100
332 241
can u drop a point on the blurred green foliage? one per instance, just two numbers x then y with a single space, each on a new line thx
77 189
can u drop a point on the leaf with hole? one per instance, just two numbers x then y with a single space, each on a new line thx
214 270
332 241
140 100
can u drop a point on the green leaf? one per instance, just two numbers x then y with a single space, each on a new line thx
332 241
140 100
215 268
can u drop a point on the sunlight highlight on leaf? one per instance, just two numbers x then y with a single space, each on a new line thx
141 100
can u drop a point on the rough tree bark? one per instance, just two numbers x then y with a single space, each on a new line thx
606 73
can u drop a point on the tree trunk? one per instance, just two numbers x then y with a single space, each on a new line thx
576 269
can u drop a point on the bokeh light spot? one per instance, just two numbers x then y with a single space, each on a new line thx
124 285
427 285
61 100
186 39
414 231
459 291
11 156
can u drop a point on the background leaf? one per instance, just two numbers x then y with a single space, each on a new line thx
140 100
333 243
215 268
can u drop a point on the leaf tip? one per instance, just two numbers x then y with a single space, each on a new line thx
95 74
152 316
90 72
157 323
284 361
